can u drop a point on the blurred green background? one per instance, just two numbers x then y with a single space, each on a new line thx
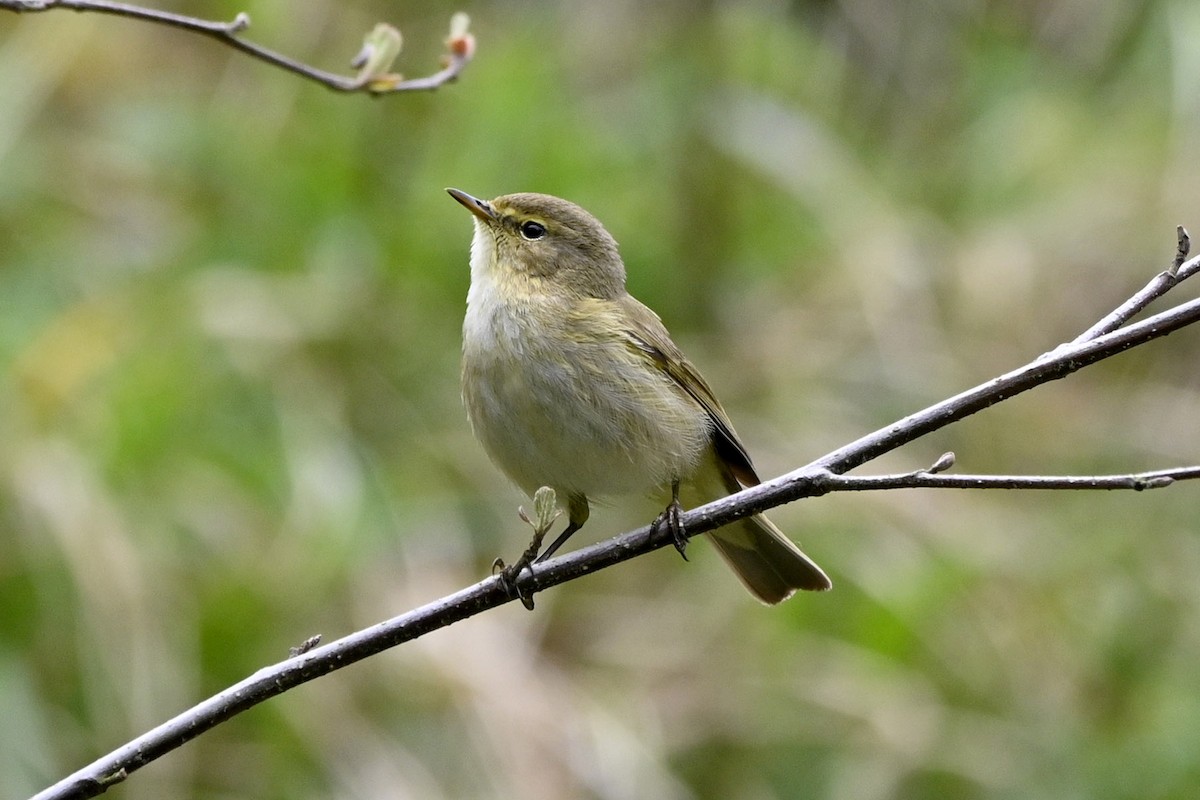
229 419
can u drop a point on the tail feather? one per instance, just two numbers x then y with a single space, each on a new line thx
768 563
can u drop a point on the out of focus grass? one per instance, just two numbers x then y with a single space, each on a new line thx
229 418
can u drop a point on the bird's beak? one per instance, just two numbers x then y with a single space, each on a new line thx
480 208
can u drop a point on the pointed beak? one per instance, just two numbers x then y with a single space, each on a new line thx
480 208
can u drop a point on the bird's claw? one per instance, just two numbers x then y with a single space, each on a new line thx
509 574
670 519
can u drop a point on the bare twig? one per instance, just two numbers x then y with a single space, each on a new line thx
925 479
460 45
1180 270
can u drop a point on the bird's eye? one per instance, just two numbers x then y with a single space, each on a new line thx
533 230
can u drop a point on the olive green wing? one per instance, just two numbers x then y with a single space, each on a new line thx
649 336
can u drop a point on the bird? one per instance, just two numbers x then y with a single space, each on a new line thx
572 383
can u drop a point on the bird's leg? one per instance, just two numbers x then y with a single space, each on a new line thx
670 518
510 573
545 508
577 514
557 543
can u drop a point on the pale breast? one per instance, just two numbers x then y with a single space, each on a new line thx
581 412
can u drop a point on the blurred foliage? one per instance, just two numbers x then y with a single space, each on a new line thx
229 312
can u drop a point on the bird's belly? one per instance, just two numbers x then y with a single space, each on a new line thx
593 420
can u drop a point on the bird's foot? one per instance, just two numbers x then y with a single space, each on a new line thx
670 519
509 573
545 512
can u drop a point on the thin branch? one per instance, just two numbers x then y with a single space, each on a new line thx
1180 270
820 477
98 777
460 46
1055 365
924 479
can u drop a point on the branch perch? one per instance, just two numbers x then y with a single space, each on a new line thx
380 46
1104 340
925 479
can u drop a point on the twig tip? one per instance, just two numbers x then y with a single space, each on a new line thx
1182 249
461 42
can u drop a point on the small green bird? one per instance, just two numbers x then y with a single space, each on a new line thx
571 383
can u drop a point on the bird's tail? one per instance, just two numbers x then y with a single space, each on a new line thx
768 563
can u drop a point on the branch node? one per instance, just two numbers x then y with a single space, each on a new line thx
819 480
945 461
379 49
305 646
239 23
113 778
1157 482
